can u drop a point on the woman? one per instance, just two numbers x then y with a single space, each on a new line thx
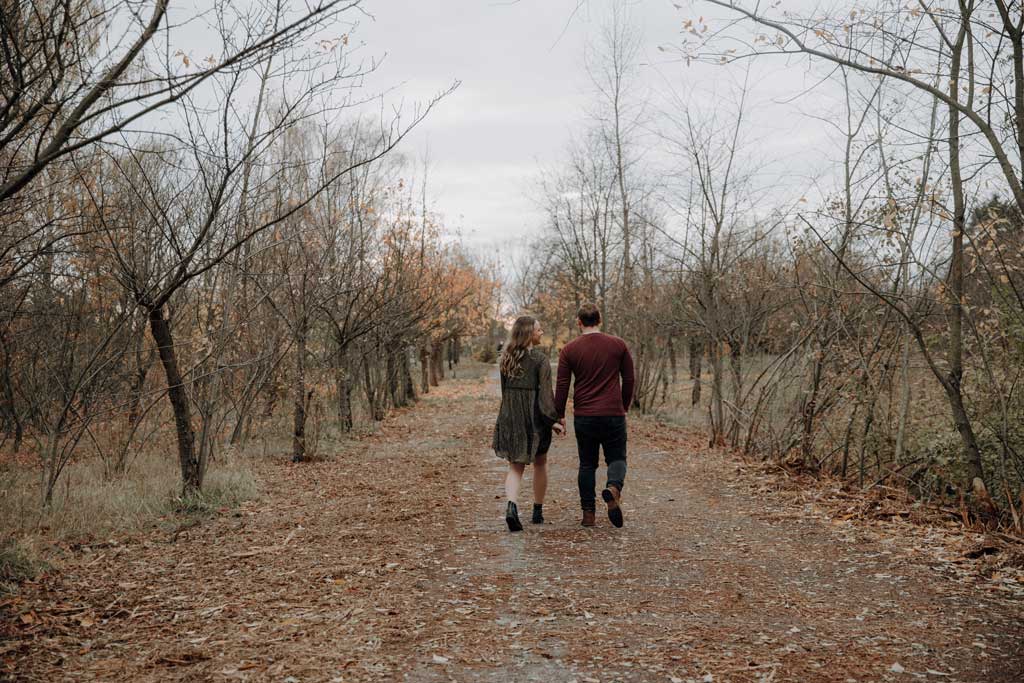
522 434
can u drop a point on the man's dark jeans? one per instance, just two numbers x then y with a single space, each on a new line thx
592 434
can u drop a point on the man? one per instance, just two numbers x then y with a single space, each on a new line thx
597 362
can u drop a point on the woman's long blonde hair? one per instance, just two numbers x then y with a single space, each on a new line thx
518 345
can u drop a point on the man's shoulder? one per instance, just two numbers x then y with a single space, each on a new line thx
574 344
569 346
602 338
612 340
618 340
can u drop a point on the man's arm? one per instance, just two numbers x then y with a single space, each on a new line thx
562 384
626 371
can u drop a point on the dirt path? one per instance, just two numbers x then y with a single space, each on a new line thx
392 563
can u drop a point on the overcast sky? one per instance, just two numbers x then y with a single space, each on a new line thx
525 90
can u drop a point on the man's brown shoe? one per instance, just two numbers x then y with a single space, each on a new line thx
589 518
612 497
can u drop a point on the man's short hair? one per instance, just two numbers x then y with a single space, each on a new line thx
589 315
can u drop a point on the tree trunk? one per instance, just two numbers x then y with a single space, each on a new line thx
374 394
425 373
407 380
394 384
436 364
248 401
869 419
134 408
193 466
955 285
239 428
848 438
10 407
343 382
696 362
717 436
371 399
299 396
271 401
50 457
142 365
672 359
905 393
736 376
810 411
135 395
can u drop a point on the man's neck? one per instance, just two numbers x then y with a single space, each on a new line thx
590 330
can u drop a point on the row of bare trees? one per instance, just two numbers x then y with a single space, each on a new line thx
868 325
201 240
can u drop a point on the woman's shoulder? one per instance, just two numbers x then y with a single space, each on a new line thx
538 356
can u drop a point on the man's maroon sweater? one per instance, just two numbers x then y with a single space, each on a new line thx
596 361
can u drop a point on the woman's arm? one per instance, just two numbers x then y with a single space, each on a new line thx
545 397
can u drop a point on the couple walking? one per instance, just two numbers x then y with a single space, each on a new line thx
601 369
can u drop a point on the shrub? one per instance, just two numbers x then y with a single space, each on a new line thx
18 561
488 354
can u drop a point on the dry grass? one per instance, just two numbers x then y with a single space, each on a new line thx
471 370
930 427
89 506
20 559
678 410
932 460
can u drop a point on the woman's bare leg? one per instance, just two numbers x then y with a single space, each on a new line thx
512 480
540 479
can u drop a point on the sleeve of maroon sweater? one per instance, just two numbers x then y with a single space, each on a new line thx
562 384
626 370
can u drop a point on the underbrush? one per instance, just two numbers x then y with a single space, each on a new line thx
932 465
19 560
470 370
89 505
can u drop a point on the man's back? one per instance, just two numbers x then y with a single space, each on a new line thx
597 361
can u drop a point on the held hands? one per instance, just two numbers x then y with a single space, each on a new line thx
559 427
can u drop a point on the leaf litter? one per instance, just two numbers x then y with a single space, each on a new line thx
391 561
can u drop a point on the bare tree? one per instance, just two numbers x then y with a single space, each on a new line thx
613 65
62 91
924 47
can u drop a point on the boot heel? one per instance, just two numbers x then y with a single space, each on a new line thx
538 514
611 497
512 517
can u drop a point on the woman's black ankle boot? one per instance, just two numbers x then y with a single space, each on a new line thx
512 517
538 513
